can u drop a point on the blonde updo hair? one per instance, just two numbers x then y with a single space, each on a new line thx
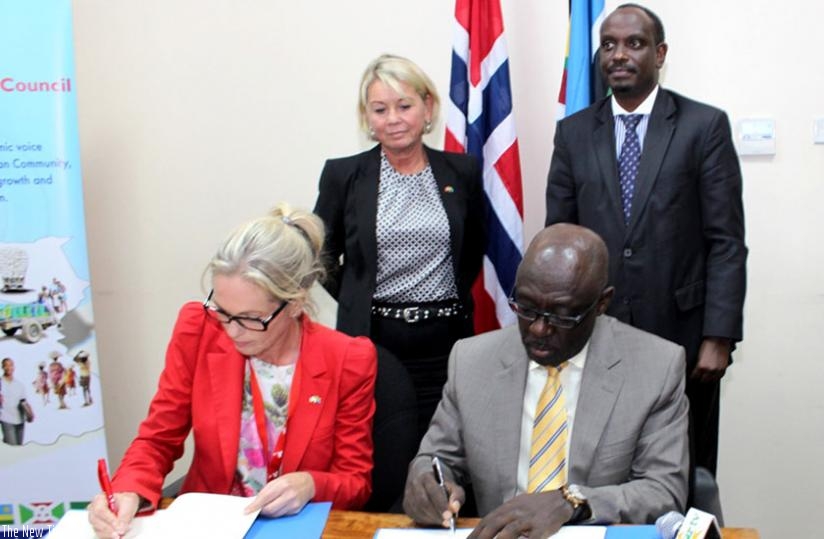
280 252
393 70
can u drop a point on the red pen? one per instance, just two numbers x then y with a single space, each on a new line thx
106 484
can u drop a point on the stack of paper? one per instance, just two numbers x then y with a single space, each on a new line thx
193 514
566 532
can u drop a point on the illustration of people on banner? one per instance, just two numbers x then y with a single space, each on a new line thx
44 346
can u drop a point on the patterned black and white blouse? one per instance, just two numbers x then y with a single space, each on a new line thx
414 251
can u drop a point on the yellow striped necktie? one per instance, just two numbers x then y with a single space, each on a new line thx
547 455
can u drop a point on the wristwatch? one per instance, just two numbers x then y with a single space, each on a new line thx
580 506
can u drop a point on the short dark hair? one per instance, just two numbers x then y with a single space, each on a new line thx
656 21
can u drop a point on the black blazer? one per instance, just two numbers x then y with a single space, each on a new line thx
347 203
679 267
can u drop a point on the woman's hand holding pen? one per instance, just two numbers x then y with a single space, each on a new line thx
285 495
105 522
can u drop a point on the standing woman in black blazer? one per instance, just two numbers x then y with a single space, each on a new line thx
405 230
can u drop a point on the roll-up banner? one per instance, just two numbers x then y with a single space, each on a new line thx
50 405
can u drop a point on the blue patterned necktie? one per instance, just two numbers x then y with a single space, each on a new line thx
628 162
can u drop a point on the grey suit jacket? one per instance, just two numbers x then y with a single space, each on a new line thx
628 451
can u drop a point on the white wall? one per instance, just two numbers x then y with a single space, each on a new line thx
196 115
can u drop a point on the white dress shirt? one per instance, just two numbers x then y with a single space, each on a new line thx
644 109
535 381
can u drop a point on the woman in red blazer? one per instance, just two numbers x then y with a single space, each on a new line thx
249 364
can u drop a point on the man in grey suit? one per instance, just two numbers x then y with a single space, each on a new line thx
626 459
656 175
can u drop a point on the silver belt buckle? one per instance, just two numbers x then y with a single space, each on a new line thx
411 314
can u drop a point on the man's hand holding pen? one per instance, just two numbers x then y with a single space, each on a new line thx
425 500
449 514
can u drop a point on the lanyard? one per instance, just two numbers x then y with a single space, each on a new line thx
273 464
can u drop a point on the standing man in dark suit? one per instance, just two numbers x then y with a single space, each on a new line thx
656 175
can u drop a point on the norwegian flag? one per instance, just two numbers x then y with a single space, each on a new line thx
480 122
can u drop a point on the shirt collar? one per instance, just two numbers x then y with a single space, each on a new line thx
644 108
578 360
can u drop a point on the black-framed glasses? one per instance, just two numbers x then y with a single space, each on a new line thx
552 319
247 322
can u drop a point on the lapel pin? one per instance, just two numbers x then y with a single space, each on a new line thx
448 189
314 399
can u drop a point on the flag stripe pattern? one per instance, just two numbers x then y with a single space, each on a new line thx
480 122
580 71
6 513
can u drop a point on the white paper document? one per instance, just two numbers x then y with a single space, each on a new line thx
566 532
420 533
193 514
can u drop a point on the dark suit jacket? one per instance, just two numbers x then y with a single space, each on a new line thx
628 450
347 203
201 389
679 267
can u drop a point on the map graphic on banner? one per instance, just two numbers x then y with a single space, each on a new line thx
50 403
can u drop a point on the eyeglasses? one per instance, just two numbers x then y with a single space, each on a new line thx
552 319
246 322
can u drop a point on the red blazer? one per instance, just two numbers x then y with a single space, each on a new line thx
200 389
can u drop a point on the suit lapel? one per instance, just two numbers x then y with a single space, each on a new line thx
600 384
307 399
448 187
660 129
604 147
226 374
366 205
506 409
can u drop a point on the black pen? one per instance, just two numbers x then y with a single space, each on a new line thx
436 468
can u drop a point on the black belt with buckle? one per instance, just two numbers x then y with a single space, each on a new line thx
417 313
